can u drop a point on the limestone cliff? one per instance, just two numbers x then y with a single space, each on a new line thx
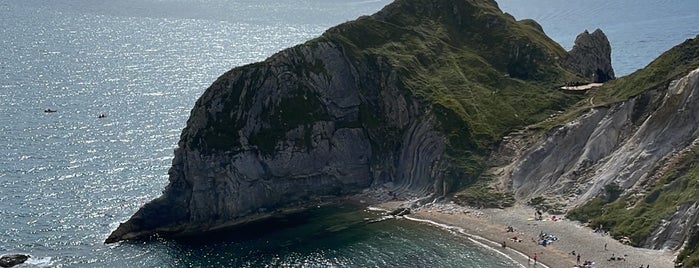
591 57
621 143
409 100
269 136
628 162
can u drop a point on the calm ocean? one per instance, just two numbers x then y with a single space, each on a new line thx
68 178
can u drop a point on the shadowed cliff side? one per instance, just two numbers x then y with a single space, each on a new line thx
409 100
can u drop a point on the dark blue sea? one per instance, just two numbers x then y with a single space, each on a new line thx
68 178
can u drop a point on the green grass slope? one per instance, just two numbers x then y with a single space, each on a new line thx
671 65
483 73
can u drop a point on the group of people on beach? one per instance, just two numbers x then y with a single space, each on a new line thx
617 258
584 264
539 216
599 229
546 238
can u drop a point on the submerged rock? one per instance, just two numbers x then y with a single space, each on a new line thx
13 259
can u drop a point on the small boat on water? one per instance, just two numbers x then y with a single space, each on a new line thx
49 111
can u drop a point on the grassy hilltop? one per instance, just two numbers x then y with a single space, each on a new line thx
484 73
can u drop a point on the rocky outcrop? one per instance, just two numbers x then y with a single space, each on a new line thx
13 259
675 229
591 57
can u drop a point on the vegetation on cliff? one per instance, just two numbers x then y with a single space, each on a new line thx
483 73
478 70
689 256
636 214
669 66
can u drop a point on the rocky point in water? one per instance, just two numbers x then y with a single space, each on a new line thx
13 259
447 99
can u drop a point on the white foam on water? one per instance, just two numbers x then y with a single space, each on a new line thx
477 240
376 209
40 262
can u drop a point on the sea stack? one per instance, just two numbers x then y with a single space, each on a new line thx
591 57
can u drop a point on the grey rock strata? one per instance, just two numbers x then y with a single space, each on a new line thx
624 143
591 57
246 152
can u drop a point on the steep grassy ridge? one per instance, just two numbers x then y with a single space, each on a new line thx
669 66
483 73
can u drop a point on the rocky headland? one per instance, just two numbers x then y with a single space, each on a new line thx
439 100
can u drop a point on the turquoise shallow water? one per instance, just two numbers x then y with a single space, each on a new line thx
68 178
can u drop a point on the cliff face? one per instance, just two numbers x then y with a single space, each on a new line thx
622 143
272 136
591 57
405 100
628 165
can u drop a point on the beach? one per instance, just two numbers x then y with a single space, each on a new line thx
489 227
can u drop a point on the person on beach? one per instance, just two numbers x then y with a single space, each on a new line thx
578 261
535 257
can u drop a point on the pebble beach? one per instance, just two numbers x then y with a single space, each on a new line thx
489 227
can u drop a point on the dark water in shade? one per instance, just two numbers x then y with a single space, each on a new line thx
335 236
68 178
